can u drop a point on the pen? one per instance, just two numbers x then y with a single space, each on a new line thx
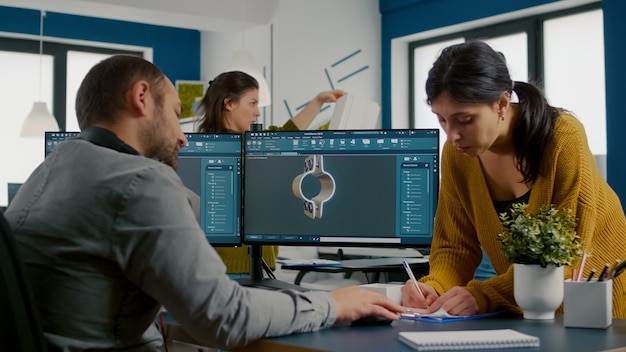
593 272
603 272
618 269
412 277
613 266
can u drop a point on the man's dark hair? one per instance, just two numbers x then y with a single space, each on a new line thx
101 95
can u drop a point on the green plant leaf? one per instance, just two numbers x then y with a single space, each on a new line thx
547 237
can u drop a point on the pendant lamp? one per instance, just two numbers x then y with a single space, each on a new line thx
243 61
39 120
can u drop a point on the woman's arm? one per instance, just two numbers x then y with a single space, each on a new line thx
304 118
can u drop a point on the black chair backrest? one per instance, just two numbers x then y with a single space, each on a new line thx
20 323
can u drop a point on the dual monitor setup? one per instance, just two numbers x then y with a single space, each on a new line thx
360 188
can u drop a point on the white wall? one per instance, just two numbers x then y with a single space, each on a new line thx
298 49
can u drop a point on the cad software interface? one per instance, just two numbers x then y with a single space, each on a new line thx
341 187
210 166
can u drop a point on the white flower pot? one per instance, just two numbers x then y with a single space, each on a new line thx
538 291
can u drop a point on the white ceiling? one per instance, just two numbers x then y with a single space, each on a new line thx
206 15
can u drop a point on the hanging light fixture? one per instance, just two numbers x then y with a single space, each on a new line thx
242 61
39 120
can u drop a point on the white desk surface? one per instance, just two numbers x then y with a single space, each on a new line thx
372 252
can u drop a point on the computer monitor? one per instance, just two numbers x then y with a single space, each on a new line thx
51 139
375 188
210 167
12 188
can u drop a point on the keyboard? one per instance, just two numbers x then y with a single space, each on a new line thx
424 251
374 262
271 284
309 262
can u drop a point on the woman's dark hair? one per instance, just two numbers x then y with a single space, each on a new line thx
101 95
472 72
228 85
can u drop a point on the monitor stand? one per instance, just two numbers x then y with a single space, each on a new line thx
256 260
256 274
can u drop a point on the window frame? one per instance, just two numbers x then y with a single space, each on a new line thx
531 25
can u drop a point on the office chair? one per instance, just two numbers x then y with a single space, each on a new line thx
20 324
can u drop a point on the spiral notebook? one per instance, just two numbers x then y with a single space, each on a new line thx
467 339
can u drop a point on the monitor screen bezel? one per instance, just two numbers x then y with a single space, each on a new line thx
425 244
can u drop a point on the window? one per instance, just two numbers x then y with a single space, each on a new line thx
545 49
78 64
28 77
563 39
20 86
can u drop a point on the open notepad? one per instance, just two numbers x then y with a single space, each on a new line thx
467 339
441 316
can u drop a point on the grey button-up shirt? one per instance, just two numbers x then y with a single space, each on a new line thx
109 237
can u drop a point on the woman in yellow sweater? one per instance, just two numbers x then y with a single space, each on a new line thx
498 153
231 105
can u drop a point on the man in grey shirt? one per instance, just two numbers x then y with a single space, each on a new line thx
108 235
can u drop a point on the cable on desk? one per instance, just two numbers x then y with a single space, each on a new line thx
268 270
162 325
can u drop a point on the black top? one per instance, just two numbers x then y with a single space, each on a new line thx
504 206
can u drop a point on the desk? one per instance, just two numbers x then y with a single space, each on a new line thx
366 252
373 265
554 337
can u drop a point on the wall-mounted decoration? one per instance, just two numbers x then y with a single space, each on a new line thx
190 93
339 71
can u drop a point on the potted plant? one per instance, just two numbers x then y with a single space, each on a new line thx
539 245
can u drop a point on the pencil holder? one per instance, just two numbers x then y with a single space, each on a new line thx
588 304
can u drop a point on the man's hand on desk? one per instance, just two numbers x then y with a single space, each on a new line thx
354 302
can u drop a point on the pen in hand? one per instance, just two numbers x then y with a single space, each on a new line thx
412 277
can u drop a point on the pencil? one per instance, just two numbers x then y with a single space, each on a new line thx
582 267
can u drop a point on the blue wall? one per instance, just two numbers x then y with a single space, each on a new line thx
615 73
176 51
404 17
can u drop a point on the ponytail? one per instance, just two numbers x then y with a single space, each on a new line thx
533 128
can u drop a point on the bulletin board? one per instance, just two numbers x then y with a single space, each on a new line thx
188 91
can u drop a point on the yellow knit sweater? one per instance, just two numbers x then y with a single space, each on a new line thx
466 219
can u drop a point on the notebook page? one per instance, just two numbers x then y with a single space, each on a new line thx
467 339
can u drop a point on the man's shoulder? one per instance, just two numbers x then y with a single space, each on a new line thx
103 163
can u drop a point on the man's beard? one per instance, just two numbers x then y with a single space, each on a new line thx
170 159
157 145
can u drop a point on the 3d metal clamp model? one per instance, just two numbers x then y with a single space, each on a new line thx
314 165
